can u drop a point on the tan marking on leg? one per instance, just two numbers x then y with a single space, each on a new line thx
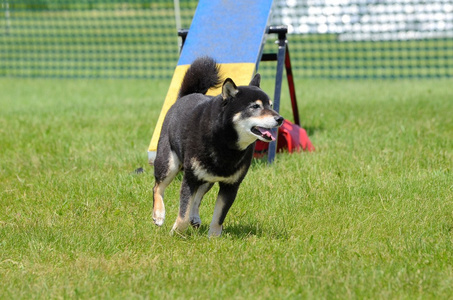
181 224
215 229
158 205
159 189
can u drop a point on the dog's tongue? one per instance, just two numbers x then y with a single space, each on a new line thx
266 133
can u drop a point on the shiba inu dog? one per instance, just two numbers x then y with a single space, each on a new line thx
212 140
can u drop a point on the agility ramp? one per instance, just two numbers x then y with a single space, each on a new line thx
232 32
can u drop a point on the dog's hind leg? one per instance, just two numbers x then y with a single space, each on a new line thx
195 220
165 171
190 188
226 197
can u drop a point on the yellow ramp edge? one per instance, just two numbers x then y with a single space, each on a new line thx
241 73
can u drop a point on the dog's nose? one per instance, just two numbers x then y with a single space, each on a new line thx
279 120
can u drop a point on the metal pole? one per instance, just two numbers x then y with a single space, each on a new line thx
178 19
292 89
7 17
278 89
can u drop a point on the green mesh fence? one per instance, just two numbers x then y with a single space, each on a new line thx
102 38
137 39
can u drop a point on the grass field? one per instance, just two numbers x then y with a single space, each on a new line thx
369 214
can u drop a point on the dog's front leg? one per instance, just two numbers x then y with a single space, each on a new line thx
188 193
227 194
195 219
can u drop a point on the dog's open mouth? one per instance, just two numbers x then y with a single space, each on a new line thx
264 133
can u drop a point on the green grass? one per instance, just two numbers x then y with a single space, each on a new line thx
369 214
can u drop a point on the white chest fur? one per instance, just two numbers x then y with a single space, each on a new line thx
203 174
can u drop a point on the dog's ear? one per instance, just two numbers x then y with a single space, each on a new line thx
256 80
229 89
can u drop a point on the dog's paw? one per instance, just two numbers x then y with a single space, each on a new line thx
158 221
215 230
158 218
195 222
179 228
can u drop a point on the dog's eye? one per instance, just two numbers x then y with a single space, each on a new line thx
256 106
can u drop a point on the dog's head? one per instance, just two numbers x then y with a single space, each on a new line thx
251 111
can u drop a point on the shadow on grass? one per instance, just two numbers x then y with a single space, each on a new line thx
312 130
242 231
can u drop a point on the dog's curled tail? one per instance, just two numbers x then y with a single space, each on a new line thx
202 74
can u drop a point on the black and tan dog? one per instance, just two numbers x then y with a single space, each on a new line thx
212 140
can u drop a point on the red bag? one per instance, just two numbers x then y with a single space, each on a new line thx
290 137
